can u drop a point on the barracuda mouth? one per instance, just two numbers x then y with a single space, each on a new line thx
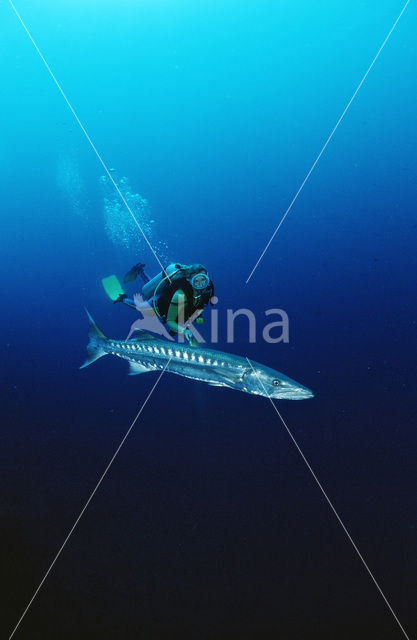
297 393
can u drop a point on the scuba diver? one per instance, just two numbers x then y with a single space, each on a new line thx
177 295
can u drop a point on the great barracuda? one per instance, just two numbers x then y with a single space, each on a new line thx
147 353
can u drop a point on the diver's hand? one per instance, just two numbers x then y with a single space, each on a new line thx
188 336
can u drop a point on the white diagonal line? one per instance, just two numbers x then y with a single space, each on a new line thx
326 143
329 502
103 164
88 501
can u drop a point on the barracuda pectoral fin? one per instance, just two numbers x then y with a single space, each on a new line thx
229 378
135 369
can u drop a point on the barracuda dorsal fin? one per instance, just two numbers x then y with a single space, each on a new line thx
136 369
142 335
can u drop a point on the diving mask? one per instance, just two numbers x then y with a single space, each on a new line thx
200 281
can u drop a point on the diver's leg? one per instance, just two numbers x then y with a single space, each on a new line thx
125 300
142 273
138 304
135 271
143 306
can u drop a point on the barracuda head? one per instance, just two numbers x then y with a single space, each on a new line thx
267 382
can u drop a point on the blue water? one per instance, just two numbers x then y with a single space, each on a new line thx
209 524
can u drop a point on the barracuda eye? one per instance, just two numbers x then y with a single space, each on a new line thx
276 383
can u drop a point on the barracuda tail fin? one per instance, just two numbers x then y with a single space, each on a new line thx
95 344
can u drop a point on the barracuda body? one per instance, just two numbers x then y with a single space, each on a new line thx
146 353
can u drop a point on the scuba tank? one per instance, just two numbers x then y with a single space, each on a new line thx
150 287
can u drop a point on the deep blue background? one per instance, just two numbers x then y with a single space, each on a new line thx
208 524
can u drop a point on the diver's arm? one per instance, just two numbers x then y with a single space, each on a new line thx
195 315
176 312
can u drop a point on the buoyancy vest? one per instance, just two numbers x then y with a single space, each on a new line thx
192 302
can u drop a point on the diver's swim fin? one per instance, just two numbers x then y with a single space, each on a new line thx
113 288
134 272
